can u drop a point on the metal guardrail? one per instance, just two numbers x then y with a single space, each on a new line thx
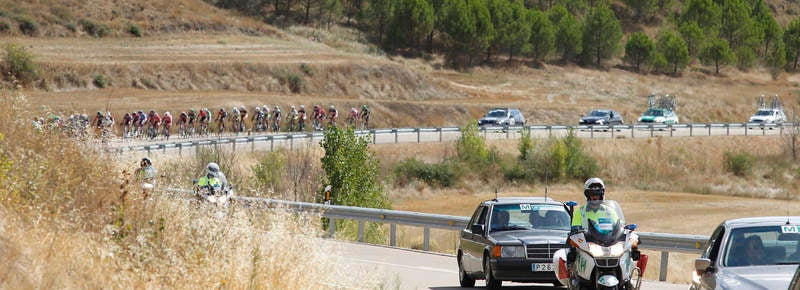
615 131
665 243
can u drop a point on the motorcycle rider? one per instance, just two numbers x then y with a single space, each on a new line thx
211 180
595 211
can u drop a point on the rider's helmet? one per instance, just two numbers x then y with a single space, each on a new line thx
316 107
302 107
212 169
166 114
593 187
100 114
146 162
333 108
241 108
191 110
277 107
222 109
292 107
363 106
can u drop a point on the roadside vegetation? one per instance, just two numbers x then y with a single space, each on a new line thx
73 217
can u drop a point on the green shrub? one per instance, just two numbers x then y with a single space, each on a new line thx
27 25
101 81
525 145
441 174
269 171
555 159
18 63
94 29
4 26
740 164
135 30
295 83
306 69
471 148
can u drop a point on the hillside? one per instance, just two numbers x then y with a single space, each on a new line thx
193 54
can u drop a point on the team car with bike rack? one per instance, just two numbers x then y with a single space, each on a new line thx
513 239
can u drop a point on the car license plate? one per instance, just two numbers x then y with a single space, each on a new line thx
540 267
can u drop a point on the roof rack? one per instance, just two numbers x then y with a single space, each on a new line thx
775 104
666 101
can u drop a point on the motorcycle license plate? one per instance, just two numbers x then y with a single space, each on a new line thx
540 267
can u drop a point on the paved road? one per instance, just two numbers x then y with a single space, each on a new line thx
409 269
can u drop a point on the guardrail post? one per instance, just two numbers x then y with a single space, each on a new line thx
252 144
395 135
691 129
728 129
271 143
612 131
360 231
591 132
440 134
418 133
332 227
662 275
374 136
651 130
632 130
709 129
427 238
763 130
291 142
745 129
393 235
508 132
550 130
180 149
233 144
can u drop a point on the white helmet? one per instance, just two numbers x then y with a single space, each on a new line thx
212 169
594 186
302 107
166 113
332 107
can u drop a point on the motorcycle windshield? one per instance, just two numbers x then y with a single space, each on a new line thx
604 222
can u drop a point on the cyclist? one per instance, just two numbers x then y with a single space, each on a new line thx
221 115
202 118
242 118
351 119
183 119
365 113
332 114
127 123
235 119
292 118
276 119
301 118
167 124
192 115
155 121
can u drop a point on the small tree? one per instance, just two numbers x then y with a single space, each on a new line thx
471 148
351 169
602 32
674 50
717 53
639 49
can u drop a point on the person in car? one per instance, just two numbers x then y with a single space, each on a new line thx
752 253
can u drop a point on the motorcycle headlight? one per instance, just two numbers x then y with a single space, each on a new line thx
614 250
512 251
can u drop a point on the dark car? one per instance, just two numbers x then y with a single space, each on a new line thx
512 239
502 117
750 253
601 118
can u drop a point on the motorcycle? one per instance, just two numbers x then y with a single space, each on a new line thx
216 195
605 253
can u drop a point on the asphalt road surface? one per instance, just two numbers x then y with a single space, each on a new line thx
410 269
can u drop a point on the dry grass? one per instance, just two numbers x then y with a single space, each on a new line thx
69 221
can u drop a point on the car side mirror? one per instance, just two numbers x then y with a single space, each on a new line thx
702 264
477 229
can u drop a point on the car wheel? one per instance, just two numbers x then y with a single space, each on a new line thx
491 282
464 279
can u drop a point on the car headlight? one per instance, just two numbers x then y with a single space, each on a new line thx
614 250
512 251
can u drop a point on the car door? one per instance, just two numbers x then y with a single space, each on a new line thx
707 279
471 248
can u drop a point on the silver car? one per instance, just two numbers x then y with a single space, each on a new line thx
750 253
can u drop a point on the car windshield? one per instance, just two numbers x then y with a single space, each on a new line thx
526 216
654 112
764 245
598 113
496 114
764 113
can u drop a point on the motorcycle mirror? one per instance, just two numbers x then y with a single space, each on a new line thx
571 203
631 227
